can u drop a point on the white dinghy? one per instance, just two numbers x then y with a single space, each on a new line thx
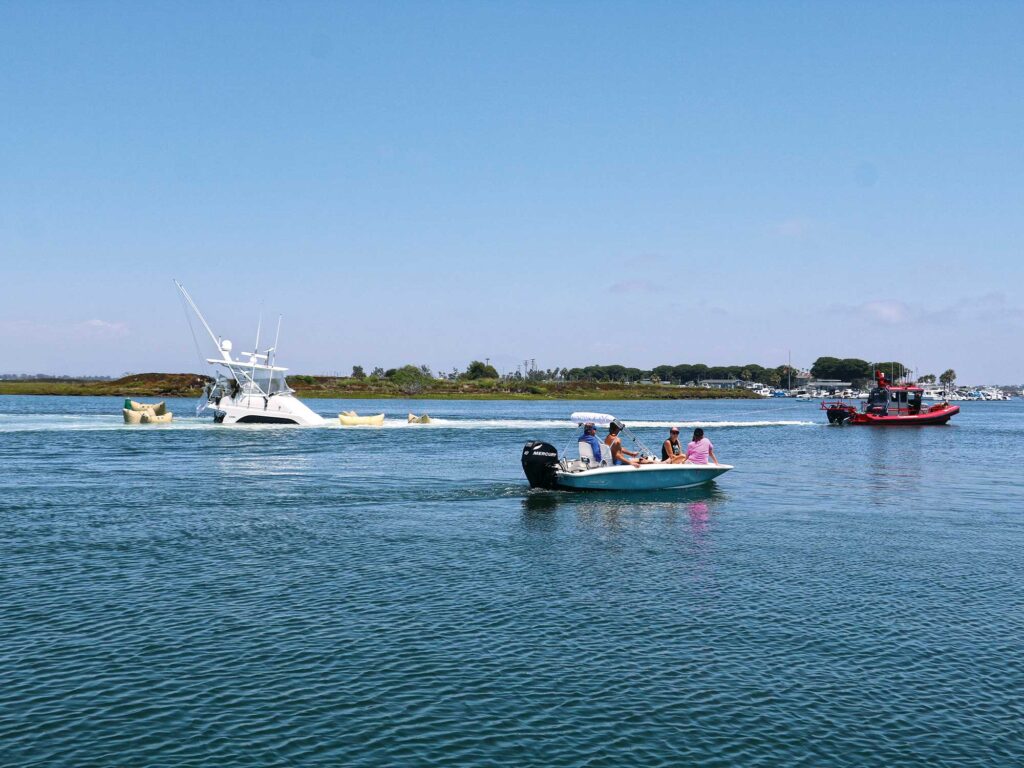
544 467
252 391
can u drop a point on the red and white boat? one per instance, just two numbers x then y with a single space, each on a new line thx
890 405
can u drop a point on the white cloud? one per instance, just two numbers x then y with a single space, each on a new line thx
103 327
887 311
989 308
84 330
635 286
795 228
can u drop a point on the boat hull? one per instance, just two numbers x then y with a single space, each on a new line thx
256 409
649 477
938 416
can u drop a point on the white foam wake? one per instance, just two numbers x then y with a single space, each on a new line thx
535 424
93 422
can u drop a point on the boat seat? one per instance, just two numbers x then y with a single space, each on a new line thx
587 455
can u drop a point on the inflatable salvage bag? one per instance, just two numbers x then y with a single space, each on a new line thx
145 413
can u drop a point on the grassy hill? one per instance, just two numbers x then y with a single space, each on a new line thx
136 385
191 384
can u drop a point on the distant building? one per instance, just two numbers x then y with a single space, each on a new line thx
829 385
723 383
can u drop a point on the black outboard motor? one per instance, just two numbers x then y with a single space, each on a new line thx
838 416
540 460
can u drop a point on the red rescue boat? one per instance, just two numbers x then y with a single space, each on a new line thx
890 405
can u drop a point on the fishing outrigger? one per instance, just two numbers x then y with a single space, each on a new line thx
890 404
593 472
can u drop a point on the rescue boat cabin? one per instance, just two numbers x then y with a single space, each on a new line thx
888 399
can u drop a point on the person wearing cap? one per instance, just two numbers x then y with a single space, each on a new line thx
619 453
589 437
671 449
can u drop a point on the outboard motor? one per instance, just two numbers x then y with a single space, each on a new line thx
540 460
838 416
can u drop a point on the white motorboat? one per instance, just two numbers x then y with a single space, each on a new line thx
249 391
544 467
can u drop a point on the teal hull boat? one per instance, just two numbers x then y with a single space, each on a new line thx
649 477
595 471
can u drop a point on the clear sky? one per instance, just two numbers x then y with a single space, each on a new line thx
429 182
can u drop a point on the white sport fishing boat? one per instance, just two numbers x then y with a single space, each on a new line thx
249 391
545 469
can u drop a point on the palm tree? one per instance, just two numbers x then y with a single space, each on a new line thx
948 377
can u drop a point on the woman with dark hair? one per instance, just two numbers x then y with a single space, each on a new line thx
700 448
671 450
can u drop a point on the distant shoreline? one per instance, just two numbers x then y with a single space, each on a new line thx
324 387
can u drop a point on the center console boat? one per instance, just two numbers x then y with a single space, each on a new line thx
545 468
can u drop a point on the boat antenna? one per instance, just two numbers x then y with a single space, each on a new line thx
256 349
271 360
277 337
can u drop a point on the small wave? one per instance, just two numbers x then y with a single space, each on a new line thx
440 423
102 422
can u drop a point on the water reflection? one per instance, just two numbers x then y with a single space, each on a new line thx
897 465
624 501
700 514
615 511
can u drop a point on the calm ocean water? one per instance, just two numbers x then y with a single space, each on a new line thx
254 596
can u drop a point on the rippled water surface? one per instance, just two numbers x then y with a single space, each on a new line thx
251 596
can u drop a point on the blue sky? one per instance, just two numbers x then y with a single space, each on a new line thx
579 183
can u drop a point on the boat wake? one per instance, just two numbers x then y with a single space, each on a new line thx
102 422
562 424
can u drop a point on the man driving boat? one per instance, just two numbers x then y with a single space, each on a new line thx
589 437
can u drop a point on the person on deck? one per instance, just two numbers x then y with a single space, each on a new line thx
672 449
589 437
619 453
700 448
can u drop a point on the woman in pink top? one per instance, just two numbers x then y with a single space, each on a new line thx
697 452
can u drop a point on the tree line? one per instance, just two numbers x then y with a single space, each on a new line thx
858 372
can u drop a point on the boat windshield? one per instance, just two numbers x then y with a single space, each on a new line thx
261 381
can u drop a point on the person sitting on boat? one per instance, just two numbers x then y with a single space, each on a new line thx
619 453
671 449
589 437
699 449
